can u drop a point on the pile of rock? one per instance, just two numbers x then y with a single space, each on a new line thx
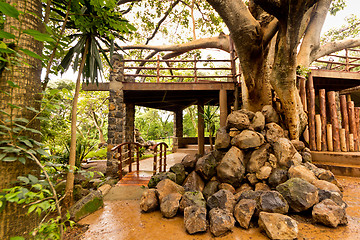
255 174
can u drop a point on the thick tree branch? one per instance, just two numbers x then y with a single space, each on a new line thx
270 30
126 1
273 7
161 21
334 47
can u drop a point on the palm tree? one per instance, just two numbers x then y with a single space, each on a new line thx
27 77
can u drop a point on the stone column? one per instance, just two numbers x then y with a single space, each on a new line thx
201 128
178 129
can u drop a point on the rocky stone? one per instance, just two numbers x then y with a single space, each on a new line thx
278 226
273 202
335 196
317 171
325 185
233 132
306 155
231 168
273 132
238 119
254 195
302 172
243 212
264 172
258 158
169 205
258 122
193 182
270 114
284 152
273 161
260 186
277 177
149 201
166 186
248 139
300 194
222 139
80 192
195 219
299 145
250 114
159 177
228 187
327 175
206 166
192 198
210 188
296 160
189 162
218 155
221 221
329 213
244 187
179 171
251 177
223 199
87 205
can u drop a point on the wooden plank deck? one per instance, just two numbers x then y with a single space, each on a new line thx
135 179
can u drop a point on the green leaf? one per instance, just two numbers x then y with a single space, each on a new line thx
9 159
32 208
2 155
6 35
12 84
25 180
22 160
34 131
33 179
24 120
9 10
39 36
27 142
17 238
32 54
32 109
13 106
42 152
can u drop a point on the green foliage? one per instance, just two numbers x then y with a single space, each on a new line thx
303 71
98 154
336 6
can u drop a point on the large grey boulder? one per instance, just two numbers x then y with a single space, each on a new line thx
231 168
193 182
277 177
180 172
195 219
169 205
270 114
334 196
284 151
243 212
166 186
299 145
273 132
210 188
87 205
329 213
258 158
278 226
189 162
161 176
325 185
237 119
272 202
222 139
258 122
206 166
300 194
222 199
192 198
221 221
149 201
248 139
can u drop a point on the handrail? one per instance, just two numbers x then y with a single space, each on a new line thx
162 157
349 64
129 157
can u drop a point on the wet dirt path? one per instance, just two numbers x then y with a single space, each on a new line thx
121 219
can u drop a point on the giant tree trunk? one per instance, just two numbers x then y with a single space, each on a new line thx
13 219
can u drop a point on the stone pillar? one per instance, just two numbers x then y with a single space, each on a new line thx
223 107
201 128
129 122
178 129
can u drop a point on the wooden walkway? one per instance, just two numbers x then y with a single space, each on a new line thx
135 179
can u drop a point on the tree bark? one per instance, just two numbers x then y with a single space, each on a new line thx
28 78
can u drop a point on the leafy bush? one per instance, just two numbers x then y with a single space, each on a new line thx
97 154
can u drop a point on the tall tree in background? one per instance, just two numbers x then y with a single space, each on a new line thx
13 218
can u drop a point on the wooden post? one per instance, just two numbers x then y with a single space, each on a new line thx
329 137
357 123
345 119
155 161
343 140
351 138
223 107
311 114
137 158
318 132
322 101
129 157
201 128
158 69
334 120
352 124
303 92
195 69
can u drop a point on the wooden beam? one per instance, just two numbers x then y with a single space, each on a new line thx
94 87
178 86
201 128
223 107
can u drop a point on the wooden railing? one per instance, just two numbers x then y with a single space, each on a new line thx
160 163
127 153
341 61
